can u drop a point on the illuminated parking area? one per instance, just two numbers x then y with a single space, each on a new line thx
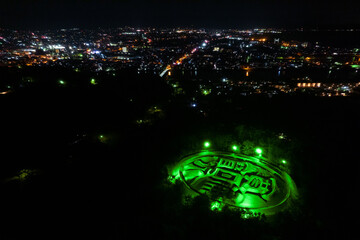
236 180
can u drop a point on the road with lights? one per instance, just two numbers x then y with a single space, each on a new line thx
181 59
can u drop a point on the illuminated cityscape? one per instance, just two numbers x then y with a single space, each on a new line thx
179 119
255 61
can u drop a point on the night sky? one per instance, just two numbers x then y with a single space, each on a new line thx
45 14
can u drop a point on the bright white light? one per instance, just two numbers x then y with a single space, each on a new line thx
58 46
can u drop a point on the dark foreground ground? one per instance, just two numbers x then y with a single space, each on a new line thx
94 170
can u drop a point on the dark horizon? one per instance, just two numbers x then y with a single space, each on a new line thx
40 14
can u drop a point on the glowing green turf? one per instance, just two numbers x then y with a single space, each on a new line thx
239 181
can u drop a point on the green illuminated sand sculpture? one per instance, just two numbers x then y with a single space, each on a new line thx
236 180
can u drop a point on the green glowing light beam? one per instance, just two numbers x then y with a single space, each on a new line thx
235 148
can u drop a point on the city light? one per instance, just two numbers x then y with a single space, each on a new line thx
57 50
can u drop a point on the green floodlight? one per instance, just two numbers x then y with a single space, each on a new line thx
216 205
62 82
283 161
206 91
234 147
207 144
102 138
93 81
259 151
